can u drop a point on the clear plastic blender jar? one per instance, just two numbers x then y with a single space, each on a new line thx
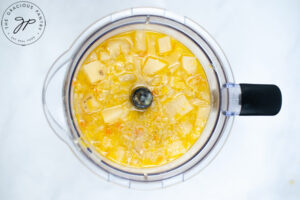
228 98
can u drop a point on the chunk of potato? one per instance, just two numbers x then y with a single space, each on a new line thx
140 40
173 57
113 114
178 106
185 127
173 67
92 57
119 153
115 47
189 64
176 148
164 44
107 142
205 96
90 104
127 78
104 56
202 115
199 102
177 82
95 71
125 46
153 65
151 45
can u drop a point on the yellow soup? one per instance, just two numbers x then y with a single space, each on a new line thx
110 123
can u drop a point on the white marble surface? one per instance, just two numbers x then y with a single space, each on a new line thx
261 159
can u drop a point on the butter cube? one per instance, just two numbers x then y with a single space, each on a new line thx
153 65
164 44
113 114
95 71
189 64
140 40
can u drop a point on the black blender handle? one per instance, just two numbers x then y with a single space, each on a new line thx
259 99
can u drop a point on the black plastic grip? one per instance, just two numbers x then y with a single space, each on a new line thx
257 99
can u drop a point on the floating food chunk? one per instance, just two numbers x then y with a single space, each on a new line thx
164 44
95 71
127 78
125 46
177 82
186 127
176 148
104 56
113 114
189 64
107 142
202 115
153 65
140 40
115 47
92 57
151 45
179 105
199 102
119 153
90 104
